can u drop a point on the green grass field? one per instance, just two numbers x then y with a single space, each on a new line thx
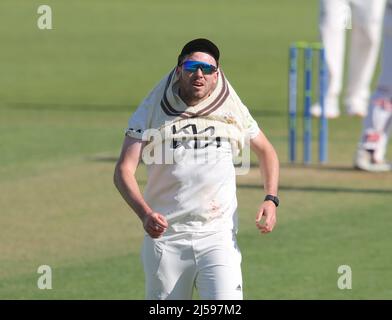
65 97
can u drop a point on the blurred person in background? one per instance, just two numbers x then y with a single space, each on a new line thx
377 126
364 18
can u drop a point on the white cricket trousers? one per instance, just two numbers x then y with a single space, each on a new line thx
366 23
177 263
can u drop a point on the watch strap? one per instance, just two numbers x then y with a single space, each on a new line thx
272 198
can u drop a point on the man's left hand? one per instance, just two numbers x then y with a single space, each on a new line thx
266 217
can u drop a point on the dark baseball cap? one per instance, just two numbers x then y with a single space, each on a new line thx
200 45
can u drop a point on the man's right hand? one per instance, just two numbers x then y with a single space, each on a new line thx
155 224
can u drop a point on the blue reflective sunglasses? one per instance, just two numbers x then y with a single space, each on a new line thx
192 66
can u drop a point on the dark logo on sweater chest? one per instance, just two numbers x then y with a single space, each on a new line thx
189 141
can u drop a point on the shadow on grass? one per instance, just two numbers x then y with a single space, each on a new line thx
320 189
316 166
290 188
55 106
86 107
321 167
103 158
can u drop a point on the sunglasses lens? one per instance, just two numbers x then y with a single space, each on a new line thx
208 69
192 66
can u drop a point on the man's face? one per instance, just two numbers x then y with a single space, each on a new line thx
197 86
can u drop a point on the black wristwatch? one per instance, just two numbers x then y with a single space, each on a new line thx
274 199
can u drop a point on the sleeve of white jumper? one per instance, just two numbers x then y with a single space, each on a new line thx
139 121
248 122
251 125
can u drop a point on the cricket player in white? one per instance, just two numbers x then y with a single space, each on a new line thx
364 18
187 131
377 126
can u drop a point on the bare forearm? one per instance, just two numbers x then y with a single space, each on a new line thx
269 167
268 163
128 187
